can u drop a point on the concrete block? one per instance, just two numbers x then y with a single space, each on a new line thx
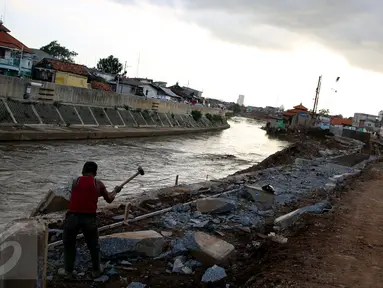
291 218
48 113
128 118
52 202
23 112
139 118
210 250
148 243
100 115
164 119
215 205
172 119
5 117
263 200
69 114
86 115
24 243
114 117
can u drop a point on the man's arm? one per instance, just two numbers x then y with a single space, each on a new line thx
108 196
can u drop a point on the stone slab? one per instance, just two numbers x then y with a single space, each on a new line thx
99 113
52 202
69 114
264 200
48 113
27 260
128 118
211 250
5 117
23 112
86 115
215 205
114 117
148 243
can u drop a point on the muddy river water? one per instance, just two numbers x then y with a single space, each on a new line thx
29 170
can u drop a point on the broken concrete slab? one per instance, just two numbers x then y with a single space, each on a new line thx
148 243
27 260
215 205
52 202
209 249
289 219
264 200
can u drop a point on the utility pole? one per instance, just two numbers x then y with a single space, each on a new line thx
21 59
317 92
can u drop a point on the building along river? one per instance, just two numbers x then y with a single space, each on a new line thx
29 170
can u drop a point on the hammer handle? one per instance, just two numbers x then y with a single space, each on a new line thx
128 180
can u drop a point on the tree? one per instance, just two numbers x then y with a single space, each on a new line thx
110 65
59 52
324 112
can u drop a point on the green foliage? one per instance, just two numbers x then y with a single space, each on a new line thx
57 104
110 65
146 114
217 118
59 52
237 109
197 115
138 110
126 107
324 112
209 117
172 116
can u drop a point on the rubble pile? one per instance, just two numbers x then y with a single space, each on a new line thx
201 242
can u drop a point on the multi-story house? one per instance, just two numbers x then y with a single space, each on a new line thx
15 57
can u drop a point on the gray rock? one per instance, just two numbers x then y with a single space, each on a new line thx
214 274
177 266
102 279
169 222
245 221
136 285
186 270
166 233
197 214
215 205
112 272
267 213
193 264
178 208
61 272
125 262
148 243
198 224
49 278
118 217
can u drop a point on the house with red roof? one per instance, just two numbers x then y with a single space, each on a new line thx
60 72
15 57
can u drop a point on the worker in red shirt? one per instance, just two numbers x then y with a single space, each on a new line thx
82 215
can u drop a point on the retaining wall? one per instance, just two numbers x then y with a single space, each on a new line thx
15 88
31 120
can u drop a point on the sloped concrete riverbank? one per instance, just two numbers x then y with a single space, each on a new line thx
242 218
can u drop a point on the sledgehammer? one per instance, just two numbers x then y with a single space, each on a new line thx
140 171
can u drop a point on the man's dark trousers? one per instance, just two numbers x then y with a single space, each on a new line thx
88 224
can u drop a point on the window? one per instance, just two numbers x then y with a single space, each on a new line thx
2 53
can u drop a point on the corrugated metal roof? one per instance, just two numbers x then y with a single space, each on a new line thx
169 92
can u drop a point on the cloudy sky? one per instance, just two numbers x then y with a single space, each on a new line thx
270 51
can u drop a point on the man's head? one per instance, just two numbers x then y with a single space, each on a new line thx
90 168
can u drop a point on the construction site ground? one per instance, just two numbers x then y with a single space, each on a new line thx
340 249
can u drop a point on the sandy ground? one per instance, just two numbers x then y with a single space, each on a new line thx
340 249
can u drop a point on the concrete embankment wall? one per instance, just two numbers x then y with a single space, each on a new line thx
15 88
36 120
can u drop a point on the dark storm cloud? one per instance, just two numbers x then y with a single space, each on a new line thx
352 28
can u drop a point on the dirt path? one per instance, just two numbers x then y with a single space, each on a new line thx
341 249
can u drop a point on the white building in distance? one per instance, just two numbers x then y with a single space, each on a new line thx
241 100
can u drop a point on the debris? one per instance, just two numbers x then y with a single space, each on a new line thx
267 213
61 272
103 279
166 233
81 274
220 233
112 272
215 205
197 214
198 224
186 270
124 262
118 217
209 249
177 266
170 223
193 264
148 243
136 285
263 199
277 238
245 229
214 274
49 278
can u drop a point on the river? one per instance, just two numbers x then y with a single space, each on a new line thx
29 170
